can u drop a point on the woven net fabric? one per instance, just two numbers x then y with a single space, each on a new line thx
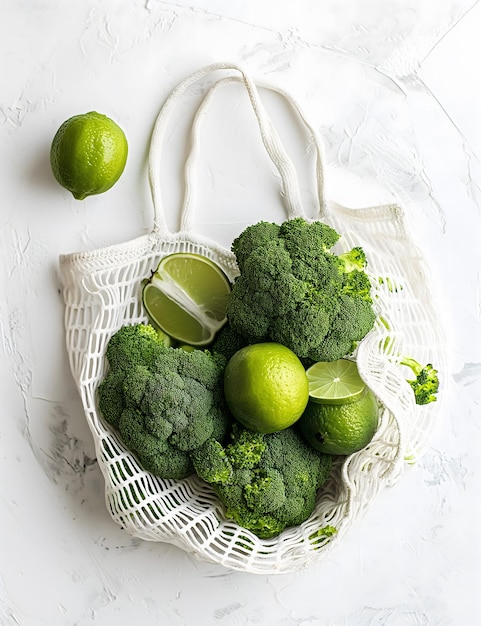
102 292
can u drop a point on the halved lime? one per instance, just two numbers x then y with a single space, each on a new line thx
335 382
187 297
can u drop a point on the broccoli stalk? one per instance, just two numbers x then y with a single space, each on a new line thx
426 383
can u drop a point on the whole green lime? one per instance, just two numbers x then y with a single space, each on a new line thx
341 429
88 154
266 387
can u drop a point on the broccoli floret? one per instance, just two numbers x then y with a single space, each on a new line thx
246 448
134 384
296 329
352 322
354 259
357 285
307 242
164 401
292 289
266 482
253 237
111 399
157 455
266 492
227 342
212 463
426 383
131 345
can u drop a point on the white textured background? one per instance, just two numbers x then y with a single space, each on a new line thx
394 88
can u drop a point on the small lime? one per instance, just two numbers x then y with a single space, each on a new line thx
88 154
187 297
341 428
335 382
265 387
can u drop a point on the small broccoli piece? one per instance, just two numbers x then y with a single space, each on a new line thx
354 259
426 383
391 284
227 342
357 284
211 462
266 482
164 401
291 289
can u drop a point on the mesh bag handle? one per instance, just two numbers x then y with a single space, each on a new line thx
268 132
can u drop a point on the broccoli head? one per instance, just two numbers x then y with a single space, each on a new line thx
292 289
164 401
426 383
266 482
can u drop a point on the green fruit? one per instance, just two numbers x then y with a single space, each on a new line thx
266 387
335 382
88 154
187 298
341 429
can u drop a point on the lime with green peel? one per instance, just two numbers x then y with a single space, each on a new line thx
88 154
186 297
265 387
341 429
335 382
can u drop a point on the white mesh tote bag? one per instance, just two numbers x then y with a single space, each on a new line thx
102 292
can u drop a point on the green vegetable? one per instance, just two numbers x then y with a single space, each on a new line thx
355 259
391 285
325 531
266 482
426 383
227 342
164 401
321 536
293 290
